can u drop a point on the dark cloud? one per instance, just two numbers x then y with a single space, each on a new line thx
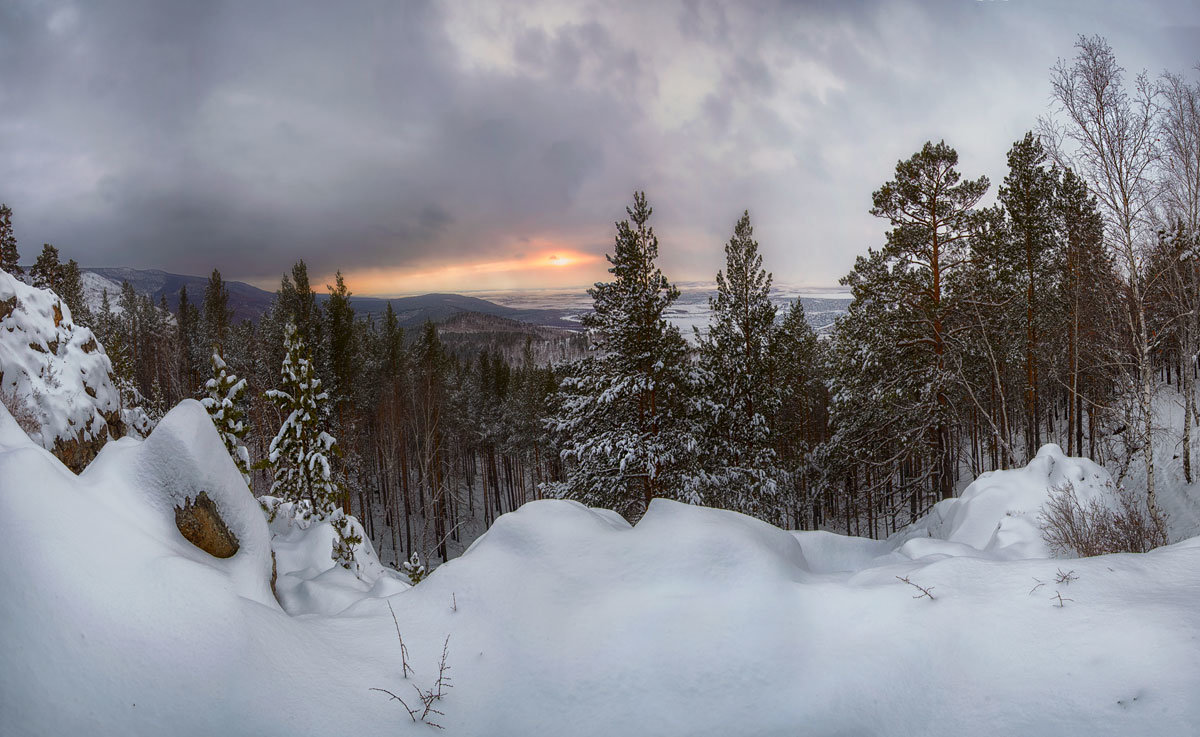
246 135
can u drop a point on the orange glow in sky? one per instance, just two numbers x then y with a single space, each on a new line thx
545 267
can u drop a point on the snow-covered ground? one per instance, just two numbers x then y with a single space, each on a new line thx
566 620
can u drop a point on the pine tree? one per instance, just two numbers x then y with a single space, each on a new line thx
737 358
71 291
624 418
223 403
931 213
299 455
799 424
343 359
187 319
297 302
9 257
1027 195
216 313
46 272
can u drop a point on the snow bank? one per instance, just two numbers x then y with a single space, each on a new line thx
997 517
564 620
144 481
999 513
58 369
310 580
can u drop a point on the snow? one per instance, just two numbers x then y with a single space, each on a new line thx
999 513
310 581
566 620
57 367
94 286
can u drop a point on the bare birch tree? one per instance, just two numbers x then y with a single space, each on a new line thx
1108 134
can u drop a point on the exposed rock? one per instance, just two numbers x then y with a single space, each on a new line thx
59 371
200 522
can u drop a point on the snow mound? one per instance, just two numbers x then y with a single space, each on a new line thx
999 514
58 370
310 580
680 543
183 456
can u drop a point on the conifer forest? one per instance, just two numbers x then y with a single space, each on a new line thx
975 335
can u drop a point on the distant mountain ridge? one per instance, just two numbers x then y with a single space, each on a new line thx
249 302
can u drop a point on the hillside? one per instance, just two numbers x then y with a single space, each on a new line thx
249 302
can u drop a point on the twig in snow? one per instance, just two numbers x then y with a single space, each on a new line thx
1059 597
403 649
924 591
429 695
1065 578
411 713
1040 584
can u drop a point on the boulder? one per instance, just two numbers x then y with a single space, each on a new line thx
200 522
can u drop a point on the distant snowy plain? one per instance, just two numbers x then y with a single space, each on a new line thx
690 312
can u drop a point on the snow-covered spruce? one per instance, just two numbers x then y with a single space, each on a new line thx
299 454
625 420
740 469
223 403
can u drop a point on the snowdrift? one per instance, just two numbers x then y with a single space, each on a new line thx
566 620
58 370
310 582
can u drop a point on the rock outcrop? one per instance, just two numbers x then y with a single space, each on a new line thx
200 522
58 371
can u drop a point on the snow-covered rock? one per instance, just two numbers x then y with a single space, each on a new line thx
58 371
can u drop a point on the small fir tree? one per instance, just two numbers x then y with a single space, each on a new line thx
413 569
71 291
223 402
8 244
46 272
299 454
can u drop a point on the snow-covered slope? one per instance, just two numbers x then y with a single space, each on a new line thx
58 370
94 286
566 620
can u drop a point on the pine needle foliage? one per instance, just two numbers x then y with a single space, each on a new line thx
223 403
299 454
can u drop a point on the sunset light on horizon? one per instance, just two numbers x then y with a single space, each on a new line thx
547 267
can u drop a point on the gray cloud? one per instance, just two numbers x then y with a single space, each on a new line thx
246 135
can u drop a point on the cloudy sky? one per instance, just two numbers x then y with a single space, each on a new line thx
481 145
